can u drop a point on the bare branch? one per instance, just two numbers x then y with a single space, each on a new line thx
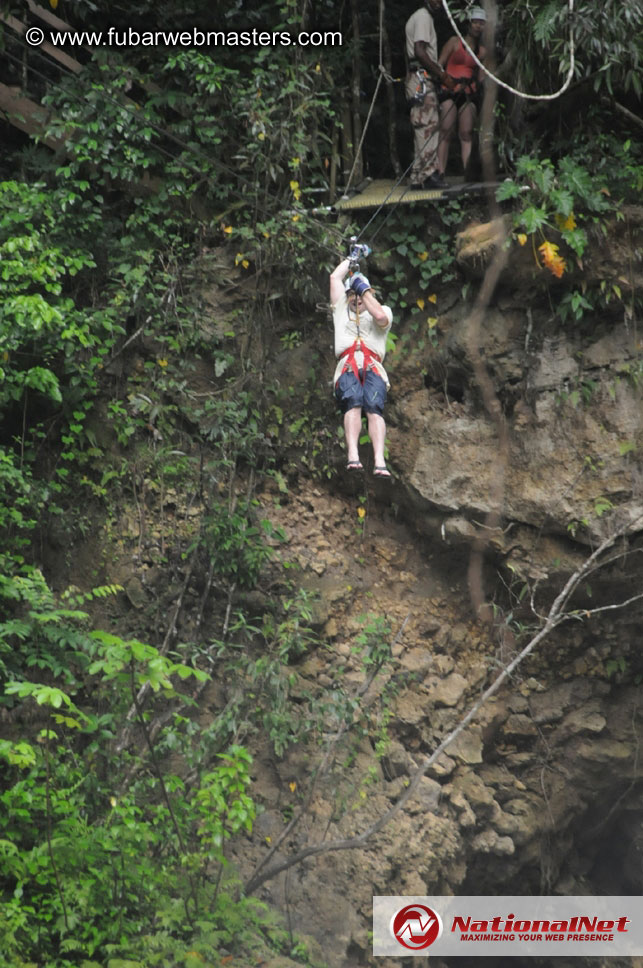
634 118
587 613
555 617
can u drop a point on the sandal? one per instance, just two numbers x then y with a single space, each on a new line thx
354 465
381 471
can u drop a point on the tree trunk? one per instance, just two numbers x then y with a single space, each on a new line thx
357 163
390 100
348 145
334 158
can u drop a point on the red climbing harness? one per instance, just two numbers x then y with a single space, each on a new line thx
370 357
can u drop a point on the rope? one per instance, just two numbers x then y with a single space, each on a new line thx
361 140
508 87
382 73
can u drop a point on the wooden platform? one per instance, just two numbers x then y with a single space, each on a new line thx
382 192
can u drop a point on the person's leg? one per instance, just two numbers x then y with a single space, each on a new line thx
377 433
374 401
448 115
349 394
352 428
425 121
466 123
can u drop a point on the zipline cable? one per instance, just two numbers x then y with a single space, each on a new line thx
508 87
382 73
396 185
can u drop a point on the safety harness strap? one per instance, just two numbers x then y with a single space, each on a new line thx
370 357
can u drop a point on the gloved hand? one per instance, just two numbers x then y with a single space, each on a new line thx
360 284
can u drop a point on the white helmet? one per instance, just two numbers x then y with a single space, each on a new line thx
477 14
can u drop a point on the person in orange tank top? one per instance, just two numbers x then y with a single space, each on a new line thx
461 104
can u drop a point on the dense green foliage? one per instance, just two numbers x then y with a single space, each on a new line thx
607 43
119 808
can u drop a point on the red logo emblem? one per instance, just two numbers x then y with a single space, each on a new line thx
416 926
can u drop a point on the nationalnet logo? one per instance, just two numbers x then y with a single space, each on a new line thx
510 925
416 926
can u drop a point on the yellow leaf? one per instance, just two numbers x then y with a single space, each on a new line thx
53 4
261 136
238 257
162 362
293 786
227 229
566 224
553 261
423 256
268 840
432 322
522 238
361 513
318 68
245 263
420 303
548 250
433 298
295 218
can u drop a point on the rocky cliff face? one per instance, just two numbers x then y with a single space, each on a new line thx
568 398
541 793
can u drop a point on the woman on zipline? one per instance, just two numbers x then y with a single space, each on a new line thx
461 104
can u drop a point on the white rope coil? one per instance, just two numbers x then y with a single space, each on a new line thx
508 87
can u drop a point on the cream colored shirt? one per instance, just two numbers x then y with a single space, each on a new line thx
346 332
420 26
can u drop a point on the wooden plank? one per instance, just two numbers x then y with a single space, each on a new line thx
58 24
27 115
384 192
45 47
49 18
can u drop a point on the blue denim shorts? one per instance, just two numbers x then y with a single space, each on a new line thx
370 395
